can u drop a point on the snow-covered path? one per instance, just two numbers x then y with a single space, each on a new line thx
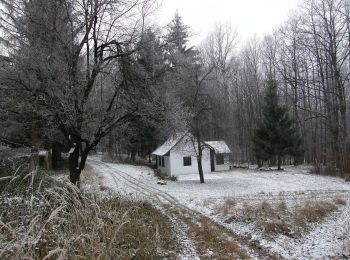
139 182
126 184
252 186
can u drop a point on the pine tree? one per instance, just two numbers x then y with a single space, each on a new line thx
188 76
148 72
178 33
38 39
276 136
178 53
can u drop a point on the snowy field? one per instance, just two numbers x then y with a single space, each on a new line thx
294 185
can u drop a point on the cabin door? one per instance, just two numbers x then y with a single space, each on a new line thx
212 160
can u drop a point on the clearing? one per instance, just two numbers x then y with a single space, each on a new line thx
243 213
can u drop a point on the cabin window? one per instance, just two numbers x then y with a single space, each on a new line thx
187 161
160 161
220 160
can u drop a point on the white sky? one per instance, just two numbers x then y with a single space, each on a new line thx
248 16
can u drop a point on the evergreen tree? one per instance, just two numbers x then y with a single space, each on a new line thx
178 33
178 54
147 73
276 135
150 61
38 67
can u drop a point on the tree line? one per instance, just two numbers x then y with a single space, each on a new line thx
92 73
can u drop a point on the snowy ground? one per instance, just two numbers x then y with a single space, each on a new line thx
324 240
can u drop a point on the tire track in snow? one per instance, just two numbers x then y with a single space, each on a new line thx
142 187
158 197
155 195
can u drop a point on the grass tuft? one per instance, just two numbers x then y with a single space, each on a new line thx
314 212
340 201
227 206
162 176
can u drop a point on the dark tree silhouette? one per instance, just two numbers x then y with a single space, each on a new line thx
276 136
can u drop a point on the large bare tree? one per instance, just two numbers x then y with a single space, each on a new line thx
63 51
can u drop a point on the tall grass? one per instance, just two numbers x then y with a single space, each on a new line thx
41 218
274 219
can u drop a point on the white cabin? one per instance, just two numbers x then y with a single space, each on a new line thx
219 156
178 156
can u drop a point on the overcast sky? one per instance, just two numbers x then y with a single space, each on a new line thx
248 16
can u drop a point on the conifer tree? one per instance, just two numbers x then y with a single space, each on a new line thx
276 136
147 73
188 75
178 53
178 33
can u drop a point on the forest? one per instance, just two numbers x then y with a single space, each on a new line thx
102 75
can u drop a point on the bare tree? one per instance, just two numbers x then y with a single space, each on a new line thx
88 40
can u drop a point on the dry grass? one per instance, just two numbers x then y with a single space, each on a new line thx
212 237
282 206
265 209
62 222
227 206
280 219
162 176
207 202
314 212
11 169
209 236
340 201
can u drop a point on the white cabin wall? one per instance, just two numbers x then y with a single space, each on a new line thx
184 149
177 167
166 168
225 166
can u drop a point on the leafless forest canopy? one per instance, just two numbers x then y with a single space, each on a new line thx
99 74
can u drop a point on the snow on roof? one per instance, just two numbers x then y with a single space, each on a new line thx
219 146
169 144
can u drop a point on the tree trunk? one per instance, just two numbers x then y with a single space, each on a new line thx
279 162
200 169
111 146
74 171
199 159
133 155
76 166
56 156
